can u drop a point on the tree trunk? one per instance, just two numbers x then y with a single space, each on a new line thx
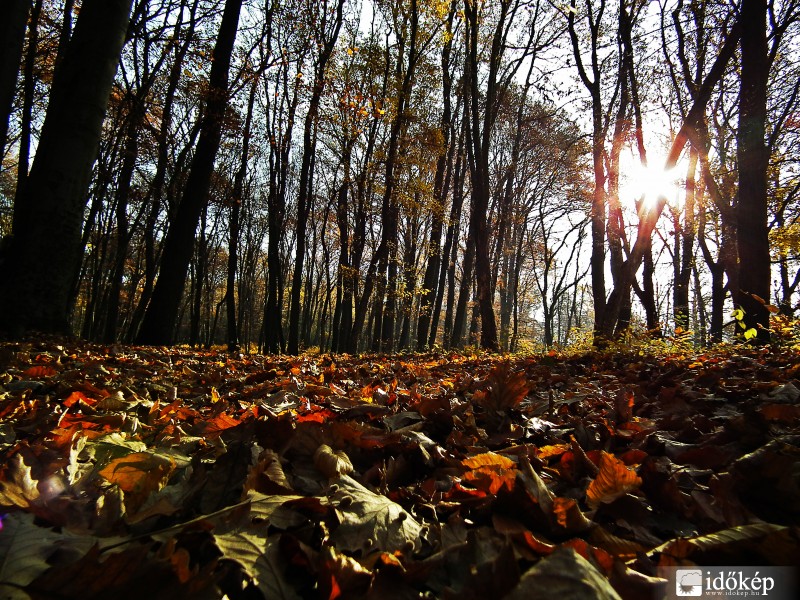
168 291
684 248
156 190
28 87
234 233
44 257
752 228
12 32
327 41
440 191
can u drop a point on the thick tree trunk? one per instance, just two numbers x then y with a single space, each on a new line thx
162 313
44 258
753 157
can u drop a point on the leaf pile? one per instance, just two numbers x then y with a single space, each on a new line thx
161 473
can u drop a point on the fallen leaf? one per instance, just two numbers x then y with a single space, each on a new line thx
615 479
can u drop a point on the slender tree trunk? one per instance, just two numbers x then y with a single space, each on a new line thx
305 195
684 248
460 318
122 235
168 291
45 253
440 191
234 233
28 87
12 32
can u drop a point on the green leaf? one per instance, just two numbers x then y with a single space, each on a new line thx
738 314
750 334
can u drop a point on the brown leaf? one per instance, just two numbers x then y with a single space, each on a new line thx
139 473
18 488
614 480
563 574
509 388
332 463
623 403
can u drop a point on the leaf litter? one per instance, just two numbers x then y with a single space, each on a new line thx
151 472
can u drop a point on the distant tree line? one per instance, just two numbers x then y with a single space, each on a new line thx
364 175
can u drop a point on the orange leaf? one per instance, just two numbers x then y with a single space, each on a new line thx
39 372
614 480
490 472
568 514
554 450
76 397
488 459
139 472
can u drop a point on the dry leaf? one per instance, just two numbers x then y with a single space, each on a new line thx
615 479
332 463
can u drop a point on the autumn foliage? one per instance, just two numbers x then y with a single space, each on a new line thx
137 472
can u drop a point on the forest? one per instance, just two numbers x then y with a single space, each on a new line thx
411 300
355 176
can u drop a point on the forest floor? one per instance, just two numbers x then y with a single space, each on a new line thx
130 472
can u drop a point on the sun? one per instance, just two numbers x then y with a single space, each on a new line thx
648 183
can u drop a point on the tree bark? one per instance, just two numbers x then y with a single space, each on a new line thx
44 256
162 313
233 234
327 40
752 228
28 88
12 32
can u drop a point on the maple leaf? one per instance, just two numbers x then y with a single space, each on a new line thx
259 555
332 463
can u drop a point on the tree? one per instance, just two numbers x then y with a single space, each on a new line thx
161 316
44 254
753 158
12 32
326 34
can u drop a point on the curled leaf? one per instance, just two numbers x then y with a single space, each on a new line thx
332 463
614 480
